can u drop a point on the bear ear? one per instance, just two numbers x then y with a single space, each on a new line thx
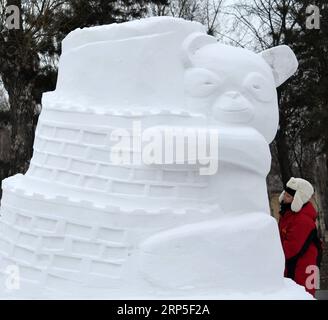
282 61
194 42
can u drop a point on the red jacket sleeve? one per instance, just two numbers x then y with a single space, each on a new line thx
296 234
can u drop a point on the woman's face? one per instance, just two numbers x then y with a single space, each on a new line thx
288 198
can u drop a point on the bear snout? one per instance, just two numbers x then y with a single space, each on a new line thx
233 107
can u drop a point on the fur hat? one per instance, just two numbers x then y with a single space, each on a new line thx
304 191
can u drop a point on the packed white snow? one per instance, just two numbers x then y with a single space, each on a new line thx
80 225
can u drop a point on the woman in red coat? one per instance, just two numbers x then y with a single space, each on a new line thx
297 226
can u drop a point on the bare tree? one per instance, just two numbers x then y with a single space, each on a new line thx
204 11
20 70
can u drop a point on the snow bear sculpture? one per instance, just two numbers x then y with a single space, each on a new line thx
235 89
80 224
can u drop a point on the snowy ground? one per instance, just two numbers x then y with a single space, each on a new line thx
290 291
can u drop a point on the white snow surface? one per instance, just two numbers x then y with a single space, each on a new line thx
78 225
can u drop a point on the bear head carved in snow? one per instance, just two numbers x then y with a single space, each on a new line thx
235 86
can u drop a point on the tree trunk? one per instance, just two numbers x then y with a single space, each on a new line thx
19 67
320 170
4 152
22 110
282 152
282 145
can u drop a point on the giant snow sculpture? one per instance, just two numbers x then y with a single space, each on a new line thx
77 219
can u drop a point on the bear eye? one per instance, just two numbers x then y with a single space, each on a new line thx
259 87
201 82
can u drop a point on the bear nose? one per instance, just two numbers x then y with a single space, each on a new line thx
232 94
